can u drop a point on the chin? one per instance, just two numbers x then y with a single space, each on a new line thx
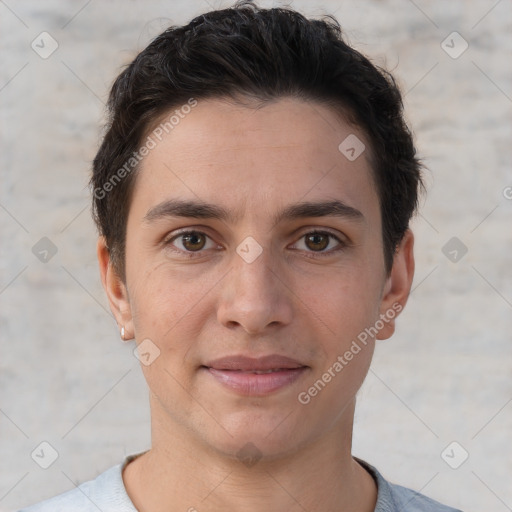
254 436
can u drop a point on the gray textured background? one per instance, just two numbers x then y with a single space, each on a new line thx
445 376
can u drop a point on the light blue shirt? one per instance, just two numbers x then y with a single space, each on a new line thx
107 493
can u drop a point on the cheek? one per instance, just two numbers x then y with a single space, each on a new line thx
348 299
168 305
166 311
348 307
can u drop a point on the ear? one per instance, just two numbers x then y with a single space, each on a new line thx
115 289
397 286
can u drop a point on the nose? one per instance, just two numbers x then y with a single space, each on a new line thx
255 296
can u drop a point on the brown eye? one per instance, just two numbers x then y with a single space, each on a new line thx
193 241
317 241
190 242
320 243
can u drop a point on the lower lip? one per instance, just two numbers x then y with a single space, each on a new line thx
254 384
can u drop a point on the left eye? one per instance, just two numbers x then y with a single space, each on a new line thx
318 241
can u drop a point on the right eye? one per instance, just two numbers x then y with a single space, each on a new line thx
189 242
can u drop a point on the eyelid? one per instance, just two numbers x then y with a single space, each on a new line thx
343 242
309 230
169 238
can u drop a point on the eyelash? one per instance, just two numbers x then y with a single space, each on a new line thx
314 254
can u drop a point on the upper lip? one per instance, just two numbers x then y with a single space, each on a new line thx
244 363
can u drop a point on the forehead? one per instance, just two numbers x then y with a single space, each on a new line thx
257 157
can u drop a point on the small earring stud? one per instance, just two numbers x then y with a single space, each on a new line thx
122 332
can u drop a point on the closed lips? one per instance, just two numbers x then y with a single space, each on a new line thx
264 364
255 376
257 372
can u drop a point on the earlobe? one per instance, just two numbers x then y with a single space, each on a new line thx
116 291
398 285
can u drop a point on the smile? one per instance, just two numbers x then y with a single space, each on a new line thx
257 382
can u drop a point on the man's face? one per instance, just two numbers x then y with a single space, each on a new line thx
258 282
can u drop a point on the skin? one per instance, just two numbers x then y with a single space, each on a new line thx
290 300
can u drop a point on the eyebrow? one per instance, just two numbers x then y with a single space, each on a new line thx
201 210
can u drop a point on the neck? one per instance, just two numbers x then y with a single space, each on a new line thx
179 473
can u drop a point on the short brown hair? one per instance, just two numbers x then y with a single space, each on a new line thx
262 54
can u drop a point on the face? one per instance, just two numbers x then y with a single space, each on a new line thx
255 279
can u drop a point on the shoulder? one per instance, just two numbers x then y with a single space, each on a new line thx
396 498
106 493
412 501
